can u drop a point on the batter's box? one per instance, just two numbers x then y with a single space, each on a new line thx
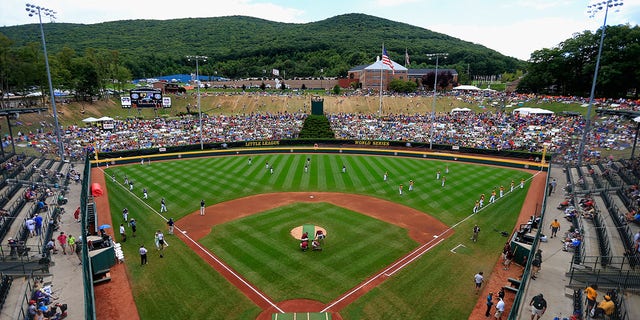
461 248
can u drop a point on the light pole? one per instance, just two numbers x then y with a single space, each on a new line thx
33 9
196 58
435 86
593 10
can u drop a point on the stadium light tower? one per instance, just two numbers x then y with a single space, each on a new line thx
196 58
38 10
435 86
593 10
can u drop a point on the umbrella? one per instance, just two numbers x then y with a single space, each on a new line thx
96 190
104 226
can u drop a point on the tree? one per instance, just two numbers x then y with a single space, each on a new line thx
336 89
569 67
402 86
86 79
263 86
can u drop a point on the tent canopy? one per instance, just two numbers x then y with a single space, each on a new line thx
466 87
525 110
454 110
105 119
90 119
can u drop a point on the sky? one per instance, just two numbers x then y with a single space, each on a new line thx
514 28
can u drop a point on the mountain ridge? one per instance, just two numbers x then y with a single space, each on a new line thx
246 46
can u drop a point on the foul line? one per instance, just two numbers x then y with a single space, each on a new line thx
207 252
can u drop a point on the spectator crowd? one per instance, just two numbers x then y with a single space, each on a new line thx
486 130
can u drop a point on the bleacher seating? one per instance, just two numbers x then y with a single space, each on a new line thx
5 285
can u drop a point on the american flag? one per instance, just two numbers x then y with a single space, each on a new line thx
386 60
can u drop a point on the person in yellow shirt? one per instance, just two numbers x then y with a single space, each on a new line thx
591 293
606 306
555 226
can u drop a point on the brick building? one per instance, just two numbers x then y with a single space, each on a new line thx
368 76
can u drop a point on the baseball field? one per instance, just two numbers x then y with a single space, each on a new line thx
386 255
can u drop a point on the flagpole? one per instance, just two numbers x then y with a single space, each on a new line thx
380 108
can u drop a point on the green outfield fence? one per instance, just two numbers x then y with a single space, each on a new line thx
87 275
518 305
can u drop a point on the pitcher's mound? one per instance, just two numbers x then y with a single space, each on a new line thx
297 232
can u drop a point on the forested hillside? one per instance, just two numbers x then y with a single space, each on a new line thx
240 46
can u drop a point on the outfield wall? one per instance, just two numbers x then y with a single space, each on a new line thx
332 143
102 159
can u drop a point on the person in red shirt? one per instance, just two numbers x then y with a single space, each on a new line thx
304 245
76 215
62 240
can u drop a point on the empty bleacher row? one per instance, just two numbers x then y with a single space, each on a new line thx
604 185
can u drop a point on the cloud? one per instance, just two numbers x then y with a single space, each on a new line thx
516 39
88 12
541 4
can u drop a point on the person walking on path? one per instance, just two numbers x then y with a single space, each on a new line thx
71 241
478 279
143 255
489 304
76 215
62 240
538 306
170 225
536 264
555 226
163 206
202 207
592 294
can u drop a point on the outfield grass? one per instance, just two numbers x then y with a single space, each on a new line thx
438 285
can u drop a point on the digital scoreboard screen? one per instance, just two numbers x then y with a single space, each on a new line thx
146 98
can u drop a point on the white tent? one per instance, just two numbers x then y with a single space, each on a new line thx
454 110
525 111
105 119
90 119
466 87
